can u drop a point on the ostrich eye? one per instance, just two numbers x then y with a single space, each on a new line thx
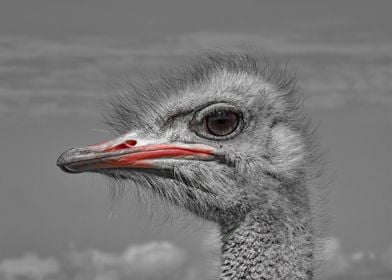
219 121
222 122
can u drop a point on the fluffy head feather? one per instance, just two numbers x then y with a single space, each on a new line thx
273 155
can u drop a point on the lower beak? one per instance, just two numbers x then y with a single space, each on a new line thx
131 153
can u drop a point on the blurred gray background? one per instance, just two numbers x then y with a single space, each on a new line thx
60 59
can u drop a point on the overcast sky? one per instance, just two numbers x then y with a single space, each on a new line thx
59 59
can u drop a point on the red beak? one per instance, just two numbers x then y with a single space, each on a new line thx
129 152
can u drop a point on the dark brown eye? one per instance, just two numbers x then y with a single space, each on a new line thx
218 122
221 122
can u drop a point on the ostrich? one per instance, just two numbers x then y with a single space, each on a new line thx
226 139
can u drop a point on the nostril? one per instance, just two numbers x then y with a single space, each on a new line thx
130 143
124 145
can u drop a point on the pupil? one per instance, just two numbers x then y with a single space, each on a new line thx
222 123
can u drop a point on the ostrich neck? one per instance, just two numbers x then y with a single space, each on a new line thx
270 243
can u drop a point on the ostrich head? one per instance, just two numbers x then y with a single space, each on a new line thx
222 138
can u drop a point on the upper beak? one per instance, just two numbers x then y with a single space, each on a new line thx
128 151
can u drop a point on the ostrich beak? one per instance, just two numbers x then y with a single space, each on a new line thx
130 152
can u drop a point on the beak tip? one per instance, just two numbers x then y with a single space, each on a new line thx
62 162
66 169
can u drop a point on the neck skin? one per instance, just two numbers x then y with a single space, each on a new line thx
270 243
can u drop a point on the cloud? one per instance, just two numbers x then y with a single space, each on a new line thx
293 44
356 265
52 77
387 256
41 77
29 266
164 261
152 261
333 259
